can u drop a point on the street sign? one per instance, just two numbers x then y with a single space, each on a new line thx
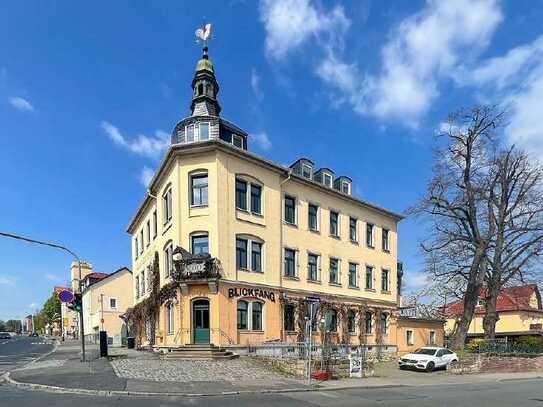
312 299
65 296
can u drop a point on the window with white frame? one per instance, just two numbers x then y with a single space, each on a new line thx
346 187
289 263
383 323
148 232
351 321
237 140
155 224
199 243
327 179
313 217
141 241
369 235
313 261
256 199
203 133
199 189
136 247
334 223
307 171
353 230
368 321
409 337
250 315
168 259
369 278
113 303
249 254
432 337
353 275
385 240
334 271
167 205
170 321
241 194
189 131
290 209
248 196
385 284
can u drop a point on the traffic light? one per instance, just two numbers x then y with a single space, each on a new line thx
76 305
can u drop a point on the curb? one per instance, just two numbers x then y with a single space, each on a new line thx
112 393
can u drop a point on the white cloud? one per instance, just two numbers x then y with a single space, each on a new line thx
146 176
21 104
52 277
151 147
415 280
255 84
33 305
290 23
261 139
7 280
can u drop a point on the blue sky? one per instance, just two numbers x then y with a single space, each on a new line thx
89 93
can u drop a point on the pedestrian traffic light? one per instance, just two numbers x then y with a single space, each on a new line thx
76 305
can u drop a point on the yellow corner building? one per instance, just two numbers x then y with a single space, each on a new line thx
280 237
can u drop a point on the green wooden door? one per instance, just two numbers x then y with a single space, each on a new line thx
200 321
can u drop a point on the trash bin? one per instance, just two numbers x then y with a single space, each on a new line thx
130 342
103 344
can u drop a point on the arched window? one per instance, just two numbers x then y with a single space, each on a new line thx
170 318
351 321
256 316
243 307
331 321
168 259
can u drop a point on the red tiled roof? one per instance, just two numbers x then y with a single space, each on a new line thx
58 289
509 299
96 276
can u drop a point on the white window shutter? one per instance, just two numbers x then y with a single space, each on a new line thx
297 259
319 267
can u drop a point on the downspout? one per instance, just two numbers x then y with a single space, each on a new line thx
283 336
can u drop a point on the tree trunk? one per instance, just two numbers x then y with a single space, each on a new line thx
471 296
491 314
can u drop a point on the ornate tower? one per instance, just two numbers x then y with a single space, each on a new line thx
205 89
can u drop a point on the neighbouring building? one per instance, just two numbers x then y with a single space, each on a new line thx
519 310
28 324
254 242
105 299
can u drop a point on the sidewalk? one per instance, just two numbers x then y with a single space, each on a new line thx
142 373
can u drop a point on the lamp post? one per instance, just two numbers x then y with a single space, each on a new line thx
58 246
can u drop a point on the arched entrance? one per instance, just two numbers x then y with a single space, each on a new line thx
200 321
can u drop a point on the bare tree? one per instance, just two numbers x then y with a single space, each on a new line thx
456 203
515 216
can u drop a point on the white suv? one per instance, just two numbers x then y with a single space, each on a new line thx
428 358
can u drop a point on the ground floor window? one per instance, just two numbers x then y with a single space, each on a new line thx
432 337
254 310
409 337
369 323
383 323
289 315
331 321
170 318
351 321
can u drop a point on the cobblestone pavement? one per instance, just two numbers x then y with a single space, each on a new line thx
236 370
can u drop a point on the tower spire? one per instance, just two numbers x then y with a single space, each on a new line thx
204 85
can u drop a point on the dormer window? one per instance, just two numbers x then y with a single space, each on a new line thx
237 140
307 171
346 187
327 180
204 131
190 133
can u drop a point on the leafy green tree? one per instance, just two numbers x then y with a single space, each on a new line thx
2 325
51 308
13 325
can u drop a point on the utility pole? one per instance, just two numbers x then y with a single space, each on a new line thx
57 246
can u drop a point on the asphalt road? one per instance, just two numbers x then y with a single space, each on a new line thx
518 393
21 350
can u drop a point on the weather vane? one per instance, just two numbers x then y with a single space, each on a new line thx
203 34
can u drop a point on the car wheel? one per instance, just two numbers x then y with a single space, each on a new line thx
430 367
403 367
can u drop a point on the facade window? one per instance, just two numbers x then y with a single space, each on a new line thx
351 321
290 209
204 131
243 307
167 205
113 303
290 263
141 241
386 246
142 282
313 217
148 232
306 171
149 278
384 281
432 337
199 243
170 318
369 235
346 188
409 337
334 271
190 133
353 232
369 278
334 223
241 254
256 199
256 256
136 247
383 323
327 178
168 260
289 317
331 321
199 189
256 319
369 323
353 275
241 194
137 286
313 267
237 140
155 224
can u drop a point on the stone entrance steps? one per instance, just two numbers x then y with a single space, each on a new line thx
198 352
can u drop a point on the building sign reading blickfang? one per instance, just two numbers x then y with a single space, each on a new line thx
251 292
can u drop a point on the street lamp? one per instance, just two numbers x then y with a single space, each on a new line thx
58 246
